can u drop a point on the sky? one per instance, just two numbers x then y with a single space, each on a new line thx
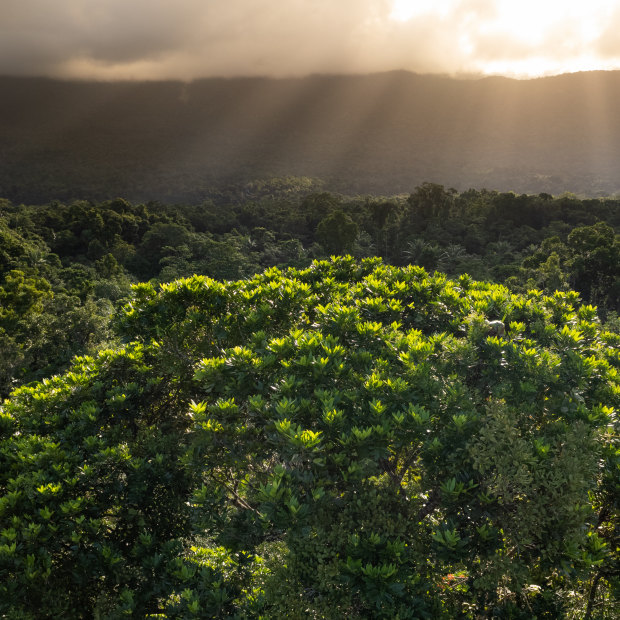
189 39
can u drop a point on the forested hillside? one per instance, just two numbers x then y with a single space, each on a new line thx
381 133
292 435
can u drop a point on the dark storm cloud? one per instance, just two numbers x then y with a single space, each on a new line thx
194 38
41 36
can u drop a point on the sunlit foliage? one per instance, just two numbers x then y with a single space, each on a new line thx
348 440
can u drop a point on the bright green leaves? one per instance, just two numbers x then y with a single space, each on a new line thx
358 424
49 489
210 372
333 416
96 465
297 436
419 415
197 410
20 296
448 538
568 338
470 430
452 488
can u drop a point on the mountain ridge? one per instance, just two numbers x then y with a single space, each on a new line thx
378 133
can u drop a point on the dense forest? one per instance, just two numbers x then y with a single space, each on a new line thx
362 406
64 266
380 133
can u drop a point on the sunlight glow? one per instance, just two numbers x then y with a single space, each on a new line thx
537 66
533 21
524 39
404 10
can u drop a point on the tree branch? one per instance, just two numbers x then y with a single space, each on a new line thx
592 595
431 504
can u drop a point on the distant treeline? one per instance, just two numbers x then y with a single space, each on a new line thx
380 133
63 267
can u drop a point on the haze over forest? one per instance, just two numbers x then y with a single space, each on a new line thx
162 101
381 133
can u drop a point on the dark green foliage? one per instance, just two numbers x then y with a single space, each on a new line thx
348 440
90 488
589 261
337 232
85 255
48 313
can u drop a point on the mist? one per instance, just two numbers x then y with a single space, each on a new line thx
189 39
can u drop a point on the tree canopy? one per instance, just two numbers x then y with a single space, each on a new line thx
350 439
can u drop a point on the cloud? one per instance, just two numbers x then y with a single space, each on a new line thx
608 44
186 39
